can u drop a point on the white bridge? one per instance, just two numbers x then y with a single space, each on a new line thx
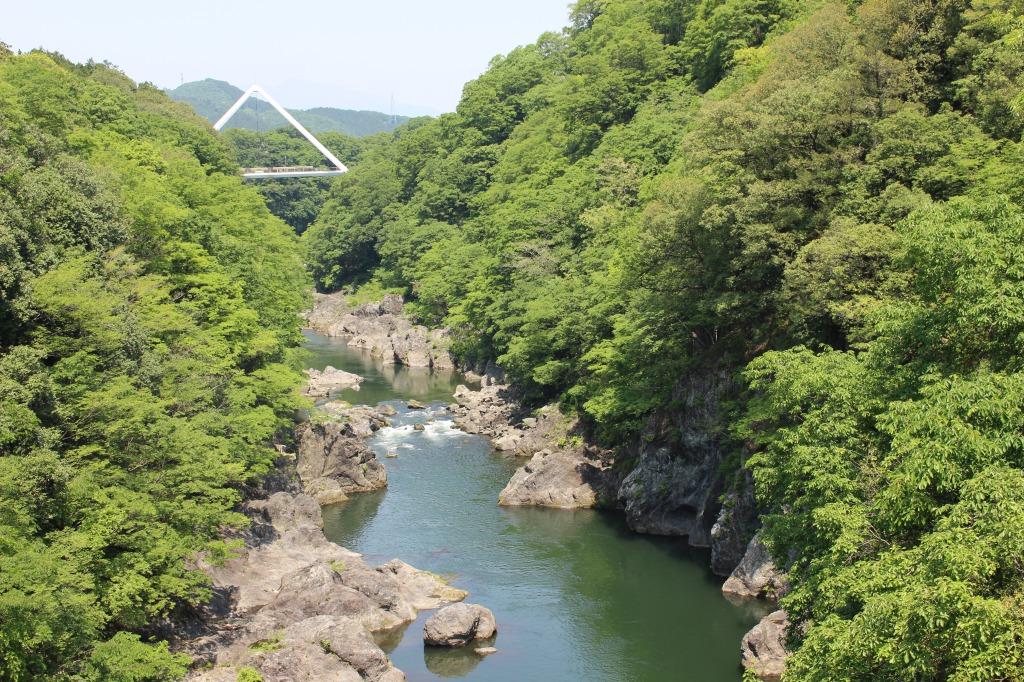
283 171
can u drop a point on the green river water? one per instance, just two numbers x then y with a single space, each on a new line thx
576 595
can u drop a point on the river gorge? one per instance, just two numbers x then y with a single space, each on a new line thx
576 594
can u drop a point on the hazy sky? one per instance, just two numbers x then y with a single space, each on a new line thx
343 53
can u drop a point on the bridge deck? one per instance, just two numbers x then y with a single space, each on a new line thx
290 172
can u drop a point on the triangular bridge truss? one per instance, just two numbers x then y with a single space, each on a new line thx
283 171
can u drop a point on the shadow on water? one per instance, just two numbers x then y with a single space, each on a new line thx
577 596
350 518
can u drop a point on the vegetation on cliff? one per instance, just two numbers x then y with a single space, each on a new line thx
148 316
825 194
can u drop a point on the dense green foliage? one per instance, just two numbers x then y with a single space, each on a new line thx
297 201
211 98
148 316
827 194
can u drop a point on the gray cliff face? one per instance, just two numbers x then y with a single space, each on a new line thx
381 329
675 483
736 523
333 461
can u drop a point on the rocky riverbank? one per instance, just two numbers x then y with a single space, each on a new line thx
381 329
291 605
298 607
669 482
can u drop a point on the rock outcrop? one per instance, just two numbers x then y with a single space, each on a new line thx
562 471
567 479
303 608
381 329
362 420
330 380
764 647
458 625
676 481
490 411
332 461
736 523
755 577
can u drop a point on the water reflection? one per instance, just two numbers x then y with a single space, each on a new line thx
576 595
381 382
458 662
350 518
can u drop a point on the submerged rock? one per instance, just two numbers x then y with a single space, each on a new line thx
764 647
459 624
332 462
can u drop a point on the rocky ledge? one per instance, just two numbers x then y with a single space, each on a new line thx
756 576
333 461
382 329
764 647
303 608
322 384
562 471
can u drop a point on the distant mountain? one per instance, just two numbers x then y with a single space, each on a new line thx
211 98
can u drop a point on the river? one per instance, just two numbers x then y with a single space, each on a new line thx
576 595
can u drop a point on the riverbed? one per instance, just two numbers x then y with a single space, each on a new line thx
577 596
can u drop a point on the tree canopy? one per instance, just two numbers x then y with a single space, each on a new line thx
822 196
148 319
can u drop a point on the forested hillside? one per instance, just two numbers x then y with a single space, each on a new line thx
297 201
824 198
148 316
211 98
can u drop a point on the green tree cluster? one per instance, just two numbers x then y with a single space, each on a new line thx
297 201
148 324
824 197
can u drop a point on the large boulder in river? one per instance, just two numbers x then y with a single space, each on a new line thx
756 576
458 625
565 479
363 420
332 462
322 384
764 647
